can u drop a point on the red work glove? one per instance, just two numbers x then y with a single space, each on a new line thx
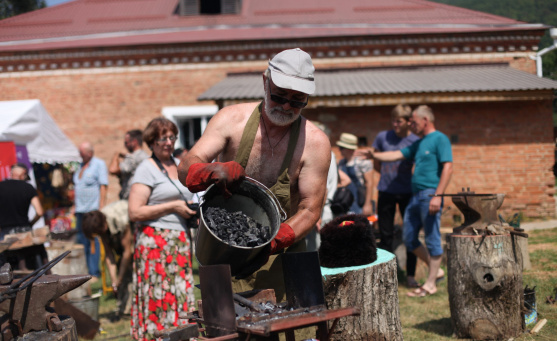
284 238
226 175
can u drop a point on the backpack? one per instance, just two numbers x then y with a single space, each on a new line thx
341 201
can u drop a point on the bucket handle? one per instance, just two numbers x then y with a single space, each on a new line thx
282 212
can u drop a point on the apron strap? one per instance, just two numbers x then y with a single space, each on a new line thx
248 137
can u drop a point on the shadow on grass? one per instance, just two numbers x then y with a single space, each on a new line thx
442 326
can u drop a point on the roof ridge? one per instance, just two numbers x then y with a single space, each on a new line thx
464 10
38 12
107 22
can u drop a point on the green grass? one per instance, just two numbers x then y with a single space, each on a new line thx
430 318
427 318
543 237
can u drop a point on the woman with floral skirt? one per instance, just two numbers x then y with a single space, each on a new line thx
162 273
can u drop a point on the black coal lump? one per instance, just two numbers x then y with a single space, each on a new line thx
236 228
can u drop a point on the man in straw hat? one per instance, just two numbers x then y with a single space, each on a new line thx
360 172
271 142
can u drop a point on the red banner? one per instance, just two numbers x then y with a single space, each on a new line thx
7 158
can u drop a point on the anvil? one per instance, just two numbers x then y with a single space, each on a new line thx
27 308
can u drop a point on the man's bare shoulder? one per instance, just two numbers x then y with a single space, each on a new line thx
235 114
317 144
316 138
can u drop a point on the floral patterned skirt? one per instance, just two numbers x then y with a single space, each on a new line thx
162 280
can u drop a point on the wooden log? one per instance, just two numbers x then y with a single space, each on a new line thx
68 332
373 288
485 286
538 326
37 236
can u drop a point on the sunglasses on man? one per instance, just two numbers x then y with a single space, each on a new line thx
282 100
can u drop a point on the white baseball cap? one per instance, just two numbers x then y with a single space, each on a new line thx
293 69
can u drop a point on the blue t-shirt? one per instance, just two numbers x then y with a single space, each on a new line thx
429 154
87 189
396 176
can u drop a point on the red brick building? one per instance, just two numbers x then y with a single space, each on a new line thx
103 67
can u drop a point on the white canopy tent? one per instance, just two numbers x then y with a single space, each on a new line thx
28 123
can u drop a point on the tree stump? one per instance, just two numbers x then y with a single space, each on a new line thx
373 288
68 332
485 286
522 244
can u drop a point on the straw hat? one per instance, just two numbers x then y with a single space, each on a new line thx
348 141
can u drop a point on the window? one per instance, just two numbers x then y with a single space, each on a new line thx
191 122
208 7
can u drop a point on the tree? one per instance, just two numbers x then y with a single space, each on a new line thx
531 11
9 8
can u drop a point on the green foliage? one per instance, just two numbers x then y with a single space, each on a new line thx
9 8
530 11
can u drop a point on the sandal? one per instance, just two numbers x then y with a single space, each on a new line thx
420 292
412 283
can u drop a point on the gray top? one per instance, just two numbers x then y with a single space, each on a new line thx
161 191
127 170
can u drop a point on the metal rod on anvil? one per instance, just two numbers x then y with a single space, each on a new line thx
12 289
250 304
462 195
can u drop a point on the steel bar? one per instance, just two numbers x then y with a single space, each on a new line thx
15 287
250 304
264 328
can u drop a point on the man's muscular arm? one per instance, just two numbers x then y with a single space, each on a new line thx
213 141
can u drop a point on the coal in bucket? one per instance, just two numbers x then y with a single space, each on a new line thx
254 200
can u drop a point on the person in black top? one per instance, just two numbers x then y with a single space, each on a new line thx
16 195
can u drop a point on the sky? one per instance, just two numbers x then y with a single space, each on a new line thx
55 2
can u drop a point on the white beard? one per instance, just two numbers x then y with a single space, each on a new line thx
277 116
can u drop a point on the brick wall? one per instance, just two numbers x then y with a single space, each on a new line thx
102 107
501 147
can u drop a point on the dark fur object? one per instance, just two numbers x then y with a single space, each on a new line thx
346 246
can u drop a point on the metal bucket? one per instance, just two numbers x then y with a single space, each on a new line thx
254 200
89 305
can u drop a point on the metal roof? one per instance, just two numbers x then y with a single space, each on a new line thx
404 80
92 23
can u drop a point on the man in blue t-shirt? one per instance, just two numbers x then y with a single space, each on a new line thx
433 169
395 184
90 184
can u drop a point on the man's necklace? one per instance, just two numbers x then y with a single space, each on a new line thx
269 140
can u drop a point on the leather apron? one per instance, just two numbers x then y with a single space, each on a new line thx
270 275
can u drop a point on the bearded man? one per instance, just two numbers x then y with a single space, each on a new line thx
271 142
